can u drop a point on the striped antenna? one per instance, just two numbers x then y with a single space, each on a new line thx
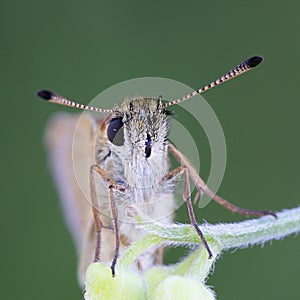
52 97
245 66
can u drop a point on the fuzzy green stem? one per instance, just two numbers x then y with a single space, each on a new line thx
188 277
232 235
256 231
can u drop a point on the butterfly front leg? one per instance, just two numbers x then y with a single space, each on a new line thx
203 188
112 186
186 194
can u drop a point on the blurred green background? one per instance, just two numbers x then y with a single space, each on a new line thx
79 49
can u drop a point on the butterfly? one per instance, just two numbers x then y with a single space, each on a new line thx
108 170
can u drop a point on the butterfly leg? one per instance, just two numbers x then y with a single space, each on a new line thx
159 253
202 187
186 194
112 186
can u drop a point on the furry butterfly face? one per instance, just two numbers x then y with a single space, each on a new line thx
137 134
140 123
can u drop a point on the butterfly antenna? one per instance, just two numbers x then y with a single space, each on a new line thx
52 97
245 66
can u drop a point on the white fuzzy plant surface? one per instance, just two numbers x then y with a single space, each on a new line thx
185 280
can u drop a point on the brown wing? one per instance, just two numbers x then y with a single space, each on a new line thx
69 141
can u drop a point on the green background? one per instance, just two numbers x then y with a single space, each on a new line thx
79 49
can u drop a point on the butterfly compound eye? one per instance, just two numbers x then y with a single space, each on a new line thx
115 131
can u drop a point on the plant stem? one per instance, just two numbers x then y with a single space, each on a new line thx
187 277
230 235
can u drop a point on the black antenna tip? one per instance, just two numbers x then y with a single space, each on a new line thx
46 95
254 61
